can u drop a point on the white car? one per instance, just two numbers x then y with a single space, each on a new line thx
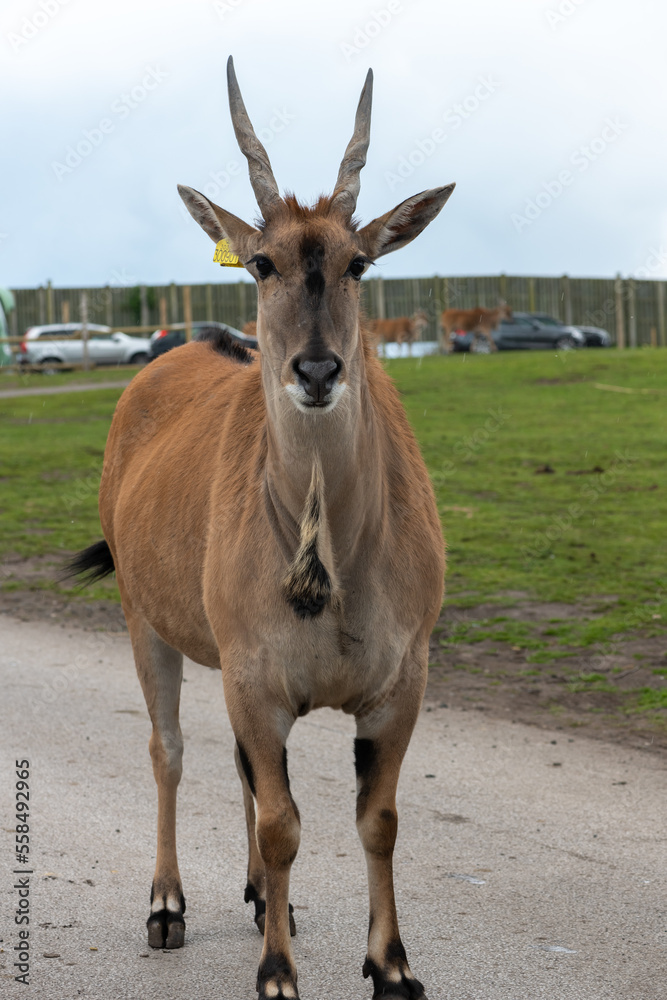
60 344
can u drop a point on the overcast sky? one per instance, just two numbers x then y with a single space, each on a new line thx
549 114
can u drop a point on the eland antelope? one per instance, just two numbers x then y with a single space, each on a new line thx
401 330
477 320
269 514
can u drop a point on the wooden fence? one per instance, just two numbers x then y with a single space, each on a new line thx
633 311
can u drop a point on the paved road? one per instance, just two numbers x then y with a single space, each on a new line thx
56 390
526 869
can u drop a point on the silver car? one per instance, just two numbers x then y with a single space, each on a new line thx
60 344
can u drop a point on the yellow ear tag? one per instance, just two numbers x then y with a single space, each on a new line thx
224 256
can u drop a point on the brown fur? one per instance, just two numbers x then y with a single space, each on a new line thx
481 320
282 529
401 330
250 328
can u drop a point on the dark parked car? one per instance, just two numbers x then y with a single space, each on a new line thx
595 336
524 331
163 340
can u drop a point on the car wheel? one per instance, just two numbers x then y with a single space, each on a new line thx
139 359
50 366
565 344
480 345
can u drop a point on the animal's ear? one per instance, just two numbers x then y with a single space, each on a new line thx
219 224
400 226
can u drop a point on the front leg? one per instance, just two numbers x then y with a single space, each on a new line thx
262 758
382 739
255 890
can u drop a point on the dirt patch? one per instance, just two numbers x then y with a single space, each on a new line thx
592 691
36 570
31 601
45 605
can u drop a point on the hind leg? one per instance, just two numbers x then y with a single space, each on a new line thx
489 336
160 670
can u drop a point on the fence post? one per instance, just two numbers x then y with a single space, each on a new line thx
566 296
83 309
379 288
618 303
660 295
632 312
143 299
173 302
187 312
163 312
65 311
654 336
41 306
241 302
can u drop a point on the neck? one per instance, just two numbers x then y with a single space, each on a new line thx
343 443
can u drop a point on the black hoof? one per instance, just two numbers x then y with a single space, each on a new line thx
251 896
276 979
166 928
388 986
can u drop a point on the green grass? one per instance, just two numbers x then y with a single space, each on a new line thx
51 459
36 380
648 699
485 424
588 682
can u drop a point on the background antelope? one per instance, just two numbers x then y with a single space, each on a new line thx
479 320
401 330
270 514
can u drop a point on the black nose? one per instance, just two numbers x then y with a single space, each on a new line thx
317 377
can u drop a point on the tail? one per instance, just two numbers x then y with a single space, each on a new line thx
93 564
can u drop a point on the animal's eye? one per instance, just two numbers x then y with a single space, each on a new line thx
263 266
357 268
